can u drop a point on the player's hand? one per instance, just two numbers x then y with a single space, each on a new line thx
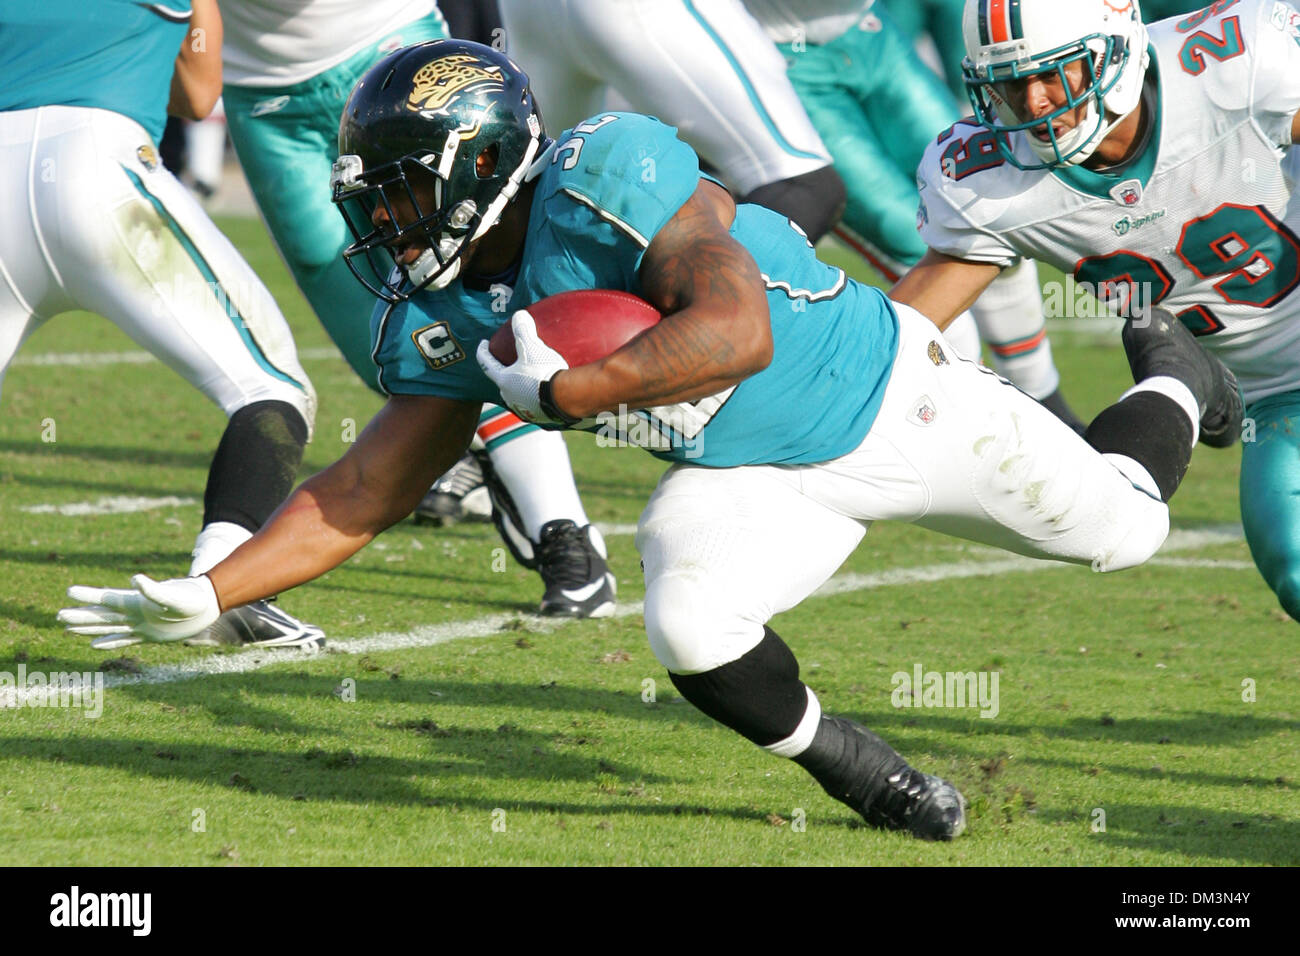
526 385
148 611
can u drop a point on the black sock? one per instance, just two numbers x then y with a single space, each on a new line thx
814 201
1058 406
255 464
759 695
1153 430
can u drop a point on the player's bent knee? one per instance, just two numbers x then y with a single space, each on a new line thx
689 629
300 399
1285 583
1137 534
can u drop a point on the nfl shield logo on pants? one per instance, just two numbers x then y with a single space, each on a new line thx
923 412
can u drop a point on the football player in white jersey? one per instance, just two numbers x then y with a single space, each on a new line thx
704 66
93 221
1152 166
856 75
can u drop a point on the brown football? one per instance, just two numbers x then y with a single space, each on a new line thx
584 326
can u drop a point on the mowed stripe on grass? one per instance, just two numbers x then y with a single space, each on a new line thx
251 660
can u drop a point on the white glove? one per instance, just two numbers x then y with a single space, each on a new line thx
526 385
150 611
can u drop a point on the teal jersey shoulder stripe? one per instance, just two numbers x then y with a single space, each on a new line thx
214 284
749 87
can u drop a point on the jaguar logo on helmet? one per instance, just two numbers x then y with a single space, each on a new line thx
415 194
437 83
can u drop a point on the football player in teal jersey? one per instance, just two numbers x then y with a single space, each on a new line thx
796 405
93 221
289 67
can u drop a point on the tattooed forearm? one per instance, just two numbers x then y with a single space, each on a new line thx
716 328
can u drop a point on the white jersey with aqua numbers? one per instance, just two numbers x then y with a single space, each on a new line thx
603 192
1203 222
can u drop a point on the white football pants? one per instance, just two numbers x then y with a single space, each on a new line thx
704 66
955 449
93 221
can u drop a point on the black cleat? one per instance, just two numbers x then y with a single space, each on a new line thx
1164 346
571 561
863 772
459 495
259 624
1221 426
920 803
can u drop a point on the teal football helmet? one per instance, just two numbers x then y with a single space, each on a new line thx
440 136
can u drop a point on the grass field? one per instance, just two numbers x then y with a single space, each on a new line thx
448 726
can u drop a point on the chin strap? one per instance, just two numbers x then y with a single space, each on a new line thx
449 248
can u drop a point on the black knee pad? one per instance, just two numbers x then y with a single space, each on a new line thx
813 201
760 695
255 464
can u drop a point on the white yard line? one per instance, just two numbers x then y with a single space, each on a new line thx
252 660
90 359
115 505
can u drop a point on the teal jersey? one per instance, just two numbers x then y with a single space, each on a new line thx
610 185
109 54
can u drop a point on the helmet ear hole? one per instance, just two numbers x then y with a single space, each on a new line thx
485 164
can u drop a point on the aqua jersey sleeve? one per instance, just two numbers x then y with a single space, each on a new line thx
113 55
612 183
426 345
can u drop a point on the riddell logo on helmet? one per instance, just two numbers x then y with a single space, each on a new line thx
436 83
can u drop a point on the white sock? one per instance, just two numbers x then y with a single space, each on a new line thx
803 735
535 470
214 544
1171 388
1009 314
962 335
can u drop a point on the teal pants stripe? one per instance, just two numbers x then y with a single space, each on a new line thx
749 86
1270 494
214 284
287 150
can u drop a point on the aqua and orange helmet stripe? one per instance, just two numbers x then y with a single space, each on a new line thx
999 21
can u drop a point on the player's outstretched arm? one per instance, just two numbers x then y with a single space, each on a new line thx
335 513
941 287
325 521
716 329
196 79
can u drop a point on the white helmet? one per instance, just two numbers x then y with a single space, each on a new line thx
1009 40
